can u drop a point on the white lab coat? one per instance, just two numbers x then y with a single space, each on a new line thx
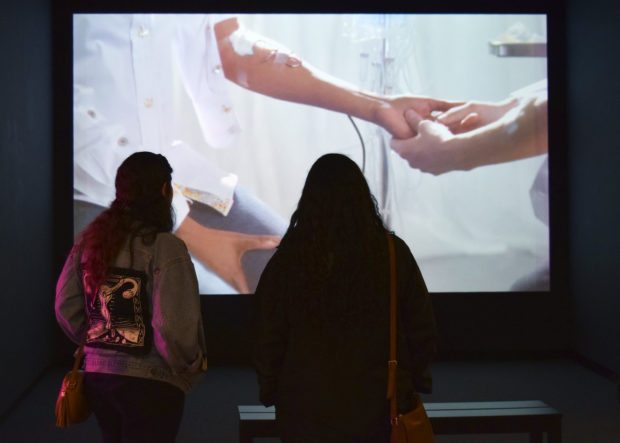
128 71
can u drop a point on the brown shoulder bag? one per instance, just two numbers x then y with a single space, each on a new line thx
414 426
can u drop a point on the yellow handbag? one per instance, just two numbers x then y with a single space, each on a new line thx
72 406
414 426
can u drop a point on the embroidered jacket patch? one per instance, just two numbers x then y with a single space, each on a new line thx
118 313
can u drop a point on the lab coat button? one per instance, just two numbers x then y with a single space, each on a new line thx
149 102
123 141
92 113
143 32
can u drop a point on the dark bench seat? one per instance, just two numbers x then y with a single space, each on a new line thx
489 417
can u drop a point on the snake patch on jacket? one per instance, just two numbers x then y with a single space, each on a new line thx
118 313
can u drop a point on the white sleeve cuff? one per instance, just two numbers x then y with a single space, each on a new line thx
181 208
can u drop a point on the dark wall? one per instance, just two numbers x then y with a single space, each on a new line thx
594 156
26 154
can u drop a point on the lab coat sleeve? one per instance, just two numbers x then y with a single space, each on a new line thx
198 58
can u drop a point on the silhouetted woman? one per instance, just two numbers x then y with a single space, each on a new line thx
131 285
323 317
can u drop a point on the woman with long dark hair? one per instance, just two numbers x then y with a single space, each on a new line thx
130 288
323 315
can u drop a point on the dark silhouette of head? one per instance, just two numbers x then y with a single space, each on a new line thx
335 233
142 208
143 187
336 199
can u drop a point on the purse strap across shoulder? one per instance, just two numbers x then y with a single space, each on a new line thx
392 362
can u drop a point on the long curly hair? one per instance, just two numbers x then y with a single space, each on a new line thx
142 208
336 240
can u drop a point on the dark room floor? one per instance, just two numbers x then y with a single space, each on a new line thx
588 401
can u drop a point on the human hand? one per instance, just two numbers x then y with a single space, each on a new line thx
473 115
221 251
431 150
390 113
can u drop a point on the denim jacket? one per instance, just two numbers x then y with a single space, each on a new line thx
174 351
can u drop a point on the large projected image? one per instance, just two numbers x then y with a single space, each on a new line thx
461 177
